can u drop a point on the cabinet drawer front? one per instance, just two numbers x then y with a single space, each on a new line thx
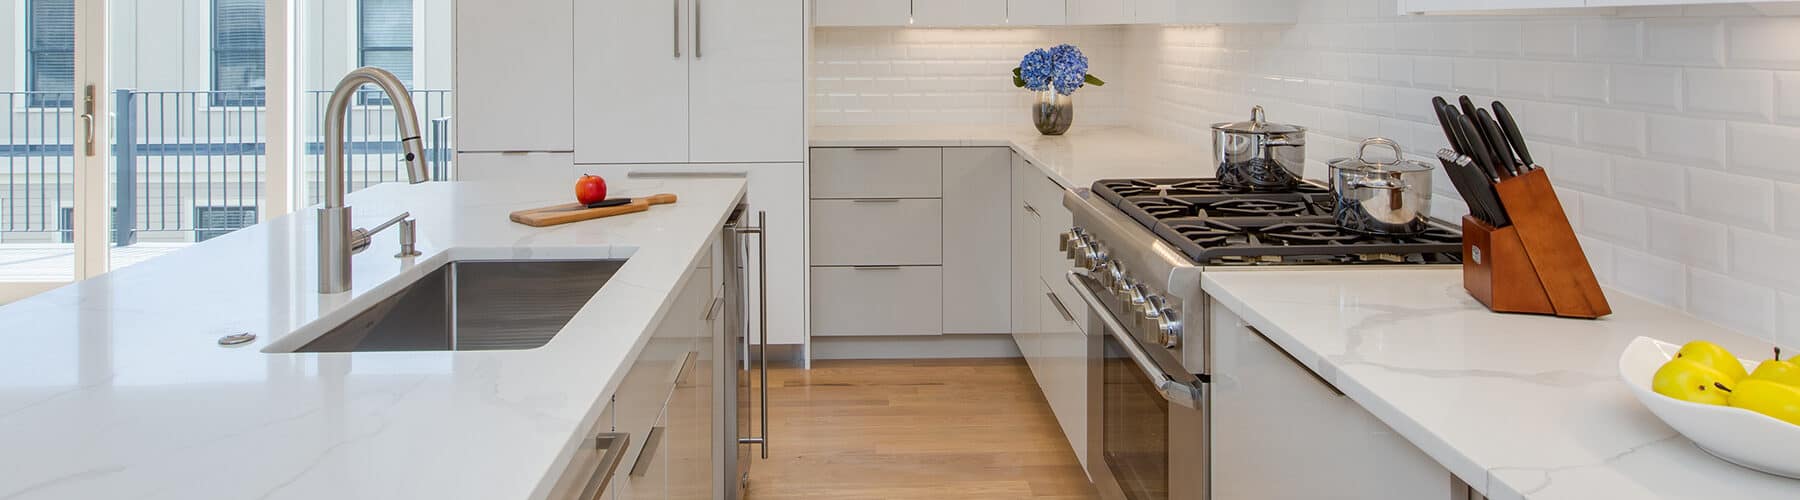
876 300
877 172
877 232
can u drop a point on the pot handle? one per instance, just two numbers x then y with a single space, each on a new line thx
1381 141
1256 115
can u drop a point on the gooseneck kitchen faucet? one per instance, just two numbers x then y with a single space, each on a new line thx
337 241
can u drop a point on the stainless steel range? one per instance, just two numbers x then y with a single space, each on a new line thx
1138 248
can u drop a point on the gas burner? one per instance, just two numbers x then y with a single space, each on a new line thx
1212 234
1307 233
1257 207
1116 191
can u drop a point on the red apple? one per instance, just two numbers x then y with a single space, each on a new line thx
590 189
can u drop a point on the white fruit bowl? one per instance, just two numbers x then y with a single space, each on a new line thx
1739 436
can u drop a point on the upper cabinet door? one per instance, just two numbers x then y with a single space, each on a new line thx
1036 12
746 96
1236 12
862 12
631 69
505 81
1101 11
959 12
1153 11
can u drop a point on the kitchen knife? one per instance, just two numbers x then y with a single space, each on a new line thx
1473 180
1468 106
1496 209
1460 179
1497 139
1479 153
1511 127
1442 107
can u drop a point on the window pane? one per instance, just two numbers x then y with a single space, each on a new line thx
387 23
50 52
397 61
238 44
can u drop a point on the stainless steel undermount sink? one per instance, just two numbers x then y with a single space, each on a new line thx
474 306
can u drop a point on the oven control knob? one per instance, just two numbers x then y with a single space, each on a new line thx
1075 249
1064 240
1095 254
1140 297
1153 307
1170 326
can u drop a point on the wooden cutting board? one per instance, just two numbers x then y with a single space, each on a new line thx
575 212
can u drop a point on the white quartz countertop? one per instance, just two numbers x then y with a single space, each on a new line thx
115 387
1075 159
1517 406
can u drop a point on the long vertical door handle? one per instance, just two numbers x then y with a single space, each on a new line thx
676 8
697 56
762 306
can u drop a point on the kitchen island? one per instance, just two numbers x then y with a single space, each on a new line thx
117 386
1516 406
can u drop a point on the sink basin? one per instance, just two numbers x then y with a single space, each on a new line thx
474 306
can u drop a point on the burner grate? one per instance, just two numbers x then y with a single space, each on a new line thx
1116 191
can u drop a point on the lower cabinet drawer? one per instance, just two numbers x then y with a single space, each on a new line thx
877 232
877 300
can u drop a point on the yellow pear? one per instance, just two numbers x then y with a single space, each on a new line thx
1770 398
1688 380
1774 370
1710 354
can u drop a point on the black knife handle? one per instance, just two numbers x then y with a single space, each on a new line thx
1513 134
1496 139
1478 148
1443 109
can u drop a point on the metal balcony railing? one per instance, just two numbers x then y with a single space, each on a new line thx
189 164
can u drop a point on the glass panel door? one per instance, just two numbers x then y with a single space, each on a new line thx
37 147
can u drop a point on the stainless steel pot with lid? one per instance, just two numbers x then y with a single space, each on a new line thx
1259 155
1381 198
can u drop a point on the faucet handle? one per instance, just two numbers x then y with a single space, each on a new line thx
360 238
409 239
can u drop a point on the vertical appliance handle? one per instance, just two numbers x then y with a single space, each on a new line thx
762 320
697 56
1176 391
676 4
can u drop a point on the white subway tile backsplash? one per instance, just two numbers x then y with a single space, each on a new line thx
1529 79
1685 41
1730 198
1621 131
1788 337
1787 96
1766 259
1579 82
1656 87
1588 171
1656 279
1696 242
1737 93
1766 150
1650 183
1474 75
1688 141
1763 42
1622 223
1742 306
1787 209
1553 39
1607 39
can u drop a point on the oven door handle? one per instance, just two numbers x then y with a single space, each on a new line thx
1185 394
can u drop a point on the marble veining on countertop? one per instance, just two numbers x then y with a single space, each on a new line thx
1075 159
1518 406
115 387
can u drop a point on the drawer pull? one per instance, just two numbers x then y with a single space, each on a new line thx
887 148
875 200
876 268
647 455
1060 308
614 444
712 309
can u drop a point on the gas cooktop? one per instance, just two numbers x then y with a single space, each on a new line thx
1216 225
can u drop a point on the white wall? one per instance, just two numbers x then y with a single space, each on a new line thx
873 76
1672 133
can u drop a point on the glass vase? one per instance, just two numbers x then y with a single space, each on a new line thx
1053 112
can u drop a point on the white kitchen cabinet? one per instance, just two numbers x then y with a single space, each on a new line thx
689 81
1101 11
877 172
553 170
780 190
977 193
509 88
1036 12
1063 349
1235 12
747 94
645 475
1026 317
876 300
1272 416
633 101
877 232
959 12
1153 11
861 12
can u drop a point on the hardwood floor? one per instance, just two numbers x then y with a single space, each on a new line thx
904 429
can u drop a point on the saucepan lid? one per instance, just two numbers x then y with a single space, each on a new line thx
1257 125
1398 165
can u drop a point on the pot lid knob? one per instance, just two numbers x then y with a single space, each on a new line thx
1256 115
1379 141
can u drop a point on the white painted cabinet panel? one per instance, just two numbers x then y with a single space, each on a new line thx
977 239
552 170
632 106
1036 12
877 172
876 300
877 232
1153 11
779 189
861 12
746 91
1063 349
959 12
1272 416
1235 12
504 80
1025 283
1100 11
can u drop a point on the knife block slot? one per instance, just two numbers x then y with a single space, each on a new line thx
1535 265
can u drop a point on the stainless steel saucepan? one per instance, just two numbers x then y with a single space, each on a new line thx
1381 198
1259 155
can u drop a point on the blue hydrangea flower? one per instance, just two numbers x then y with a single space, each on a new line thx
1068 68
1035 69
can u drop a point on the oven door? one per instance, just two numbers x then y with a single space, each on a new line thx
1146 413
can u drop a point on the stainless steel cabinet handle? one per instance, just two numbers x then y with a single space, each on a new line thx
677 9
712 309
686 175
1296 361
647 454
875 200
1178 392
876 268
697 43
876 149
762 306
615 444
679 373
1060 308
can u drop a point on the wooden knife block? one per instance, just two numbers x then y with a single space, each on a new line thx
1536 265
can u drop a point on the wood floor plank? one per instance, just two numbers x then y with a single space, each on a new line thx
914 429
